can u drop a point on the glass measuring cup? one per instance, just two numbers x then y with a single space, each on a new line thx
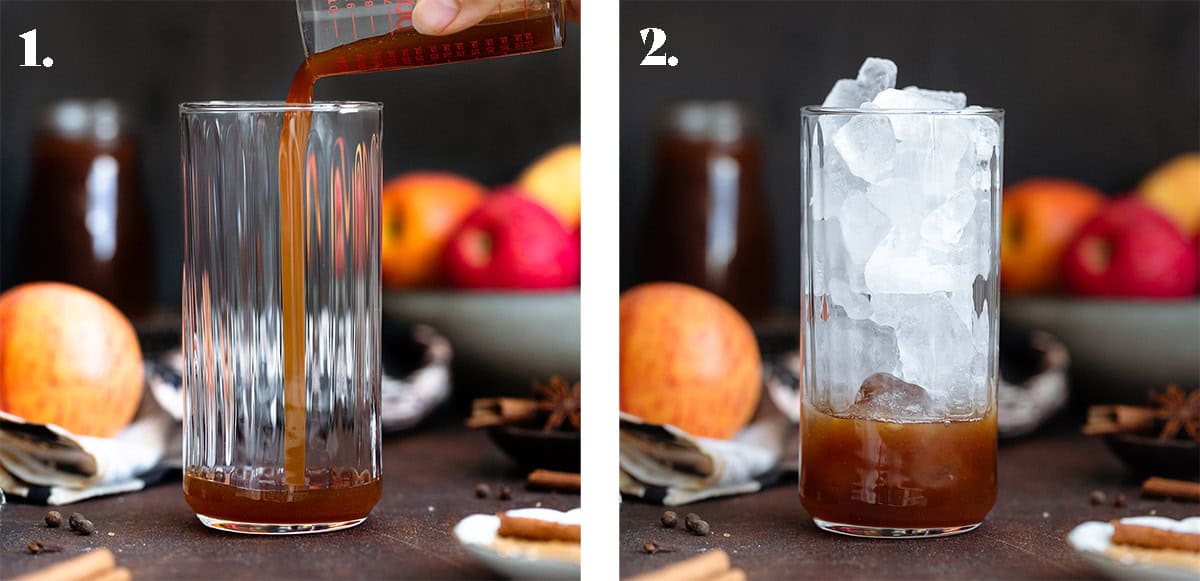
377 35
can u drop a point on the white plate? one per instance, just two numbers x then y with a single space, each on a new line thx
1091 539
476 533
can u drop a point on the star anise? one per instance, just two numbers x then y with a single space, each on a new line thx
560 401
1179 411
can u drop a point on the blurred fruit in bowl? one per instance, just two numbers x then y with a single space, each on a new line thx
1129 249
68 357
1039 218
420 211
511 242
553 180
688 359
1174 189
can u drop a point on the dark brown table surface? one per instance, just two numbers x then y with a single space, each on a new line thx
429 481
1045 480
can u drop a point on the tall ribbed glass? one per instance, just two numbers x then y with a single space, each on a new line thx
901 245
255 459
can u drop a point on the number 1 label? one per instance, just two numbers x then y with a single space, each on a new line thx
30 39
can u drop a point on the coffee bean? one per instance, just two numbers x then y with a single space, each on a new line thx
482 490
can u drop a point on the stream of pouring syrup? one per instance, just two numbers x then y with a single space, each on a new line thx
502 35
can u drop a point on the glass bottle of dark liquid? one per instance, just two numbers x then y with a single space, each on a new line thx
707 222
85 222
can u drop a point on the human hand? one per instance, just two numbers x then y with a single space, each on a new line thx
442 17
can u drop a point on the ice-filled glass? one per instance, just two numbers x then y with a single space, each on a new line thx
899 377
281 314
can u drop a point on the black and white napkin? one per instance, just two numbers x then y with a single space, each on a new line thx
46 464
665 465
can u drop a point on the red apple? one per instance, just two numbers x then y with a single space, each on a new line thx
1131 250
511 242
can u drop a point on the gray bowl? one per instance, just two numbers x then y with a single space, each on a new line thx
503 341
1120 349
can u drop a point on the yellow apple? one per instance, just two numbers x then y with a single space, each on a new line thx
1174 189
553 181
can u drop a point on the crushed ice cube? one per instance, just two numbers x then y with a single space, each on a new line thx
899 266
830 259
854 349
945 223
986 136
846 93
868 146
876 75
972 254
901 200
976 314
887 397
930 151
887 308
981 333
897 99
856 306
955 99
950 138
863 227
833 184
935 346
963 303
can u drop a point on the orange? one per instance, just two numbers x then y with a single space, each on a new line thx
1039 219
68 357
420 211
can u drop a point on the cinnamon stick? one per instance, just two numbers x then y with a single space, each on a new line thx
498 411
1153 537
731 575
1111 419
533 529
1181 489
707 565
118 574
83 567
554 480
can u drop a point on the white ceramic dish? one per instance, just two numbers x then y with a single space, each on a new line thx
1119 348
477 532
503 342
1092 539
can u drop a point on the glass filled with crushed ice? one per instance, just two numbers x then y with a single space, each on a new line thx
901 234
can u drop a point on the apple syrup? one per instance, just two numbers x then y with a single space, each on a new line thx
330 496
856 470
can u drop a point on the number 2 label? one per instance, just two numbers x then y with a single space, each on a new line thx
657 38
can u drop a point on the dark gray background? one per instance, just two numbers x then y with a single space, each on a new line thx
1096 91
486 120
